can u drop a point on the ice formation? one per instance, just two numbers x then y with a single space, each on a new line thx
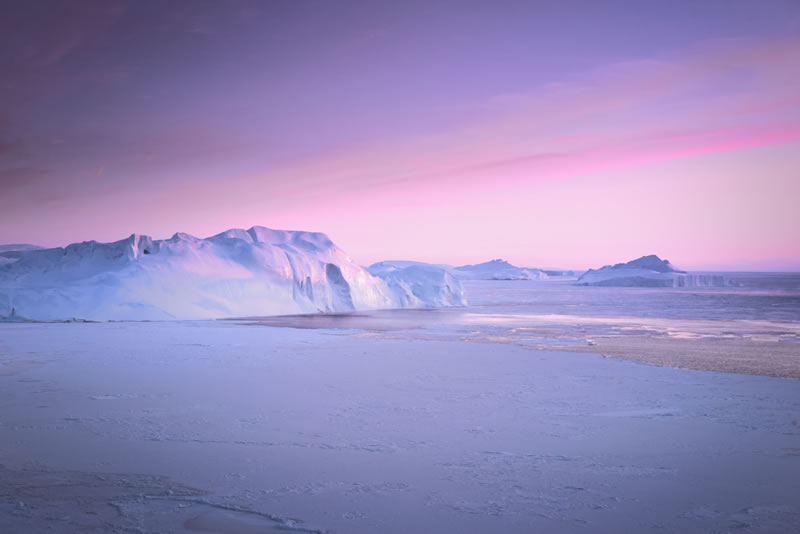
648 271
415 284
498 270
259 271
10 253
18 247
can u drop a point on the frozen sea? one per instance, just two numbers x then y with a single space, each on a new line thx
444 421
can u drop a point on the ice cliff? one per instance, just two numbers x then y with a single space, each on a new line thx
259 271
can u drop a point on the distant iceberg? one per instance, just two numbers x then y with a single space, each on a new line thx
416 284
498 270
648 271
18 248
11 253
252 272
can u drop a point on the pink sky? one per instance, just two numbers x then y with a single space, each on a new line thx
616 164
693 155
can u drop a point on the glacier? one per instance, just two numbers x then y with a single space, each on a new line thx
236 273
648 271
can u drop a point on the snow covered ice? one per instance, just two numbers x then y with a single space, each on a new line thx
259 271
499 270
648 271
417 285
464 420
491 270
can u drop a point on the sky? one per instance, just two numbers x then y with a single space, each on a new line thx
551 134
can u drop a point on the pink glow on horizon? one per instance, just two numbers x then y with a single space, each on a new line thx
544 122
693 157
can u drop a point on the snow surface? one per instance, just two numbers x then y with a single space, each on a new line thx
464 423
259 271
648 271
498 270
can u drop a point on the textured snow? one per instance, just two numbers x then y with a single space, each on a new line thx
648 271
457 420
259 271
498 270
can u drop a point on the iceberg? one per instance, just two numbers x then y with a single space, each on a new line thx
10 253
18 247
417 284
498 270
236 273
648 271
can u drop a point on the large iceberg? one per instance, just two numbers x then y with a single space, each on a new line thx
252 272
648 271
498 270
